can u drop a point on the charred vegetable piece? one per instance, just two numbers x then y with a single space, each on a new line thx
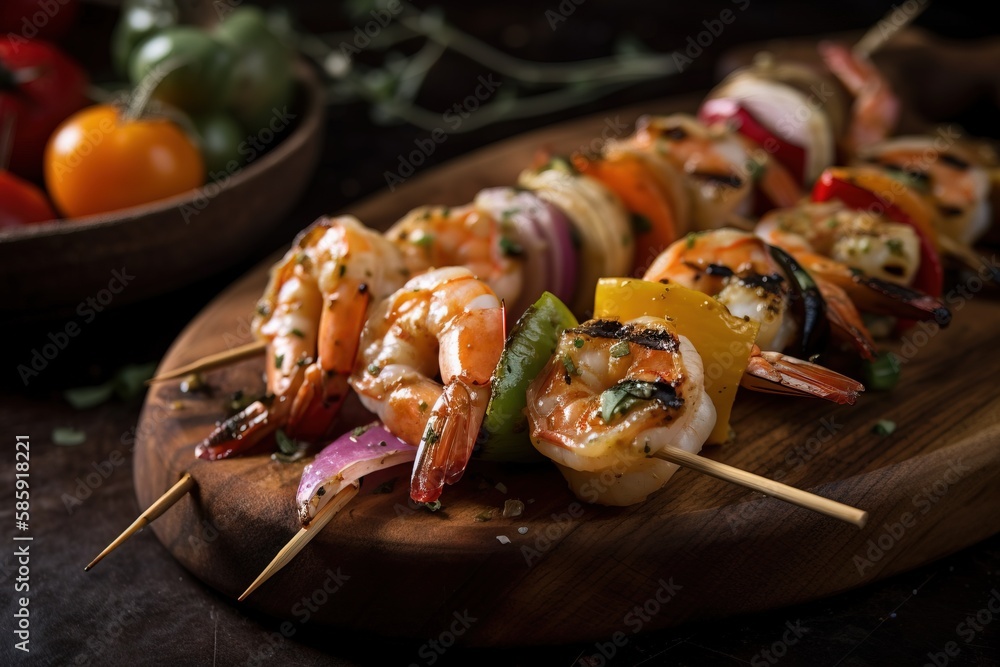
504 435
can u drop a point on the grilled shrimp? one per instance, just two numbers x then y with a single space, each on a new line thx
870 259
875 110
438 236
736 269
713 161
879 248
443 322
722 167
953 178
612 395
745 275
311 315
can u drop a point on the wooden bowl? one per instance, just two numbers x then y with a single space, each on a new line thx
48 269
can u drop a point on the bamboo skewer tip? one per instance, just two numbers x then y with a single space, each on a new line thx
302 538
212 361
159 506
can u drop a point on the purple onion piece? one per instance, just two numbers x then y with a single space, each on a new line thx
543 231
346 460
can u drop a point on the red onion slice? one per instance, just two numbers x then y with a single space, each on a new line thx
543 232
346 460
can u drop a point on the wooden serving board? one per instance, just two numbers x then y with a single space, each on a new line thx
699 548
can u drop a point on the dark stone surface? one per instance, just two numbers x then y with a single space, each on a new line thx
140 607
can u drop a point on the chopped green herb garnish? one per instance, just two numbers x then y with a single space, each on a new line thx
422 405
342 270
755 170
895 247
510 248
690 240
578 342
619 349
127 383
286 445
425 240
445 211
621 398
430 437
298 332
65 436
279 359
358 431
374 369
509 213
83 398
883 372
569 365
831 223
884 427
288 458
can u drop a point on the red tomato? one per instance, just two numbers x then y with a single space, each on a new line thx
44 19
21 202
39 88
97 161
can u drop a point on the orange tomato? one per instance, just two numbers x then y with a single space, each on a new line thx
97 161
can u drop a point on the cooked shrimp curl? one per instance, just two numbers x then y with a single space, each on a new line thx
311 315
443 322
612 396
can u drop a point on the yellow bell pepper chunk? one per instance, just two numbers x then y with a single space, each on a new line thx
723 340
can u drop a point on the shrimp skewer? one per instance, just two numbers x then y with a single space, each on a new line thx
875 109
626 398
754 280
311 316
872 260
448 321
634 404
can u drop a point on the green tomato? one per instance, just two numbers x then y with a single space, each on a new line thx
198 67
139 19
504 435
220 137
261 80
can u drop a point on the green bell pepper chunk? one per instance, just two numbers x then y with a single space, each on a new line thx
504 435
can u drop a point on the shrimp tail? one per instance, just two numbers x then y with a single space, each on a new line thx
881 297
324 386
845 320
446 445
238 434
775 373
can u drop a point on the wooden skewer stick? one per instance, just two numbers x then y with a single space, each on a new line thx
967 256
214 361
302 538
161 505
769 487
886 29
